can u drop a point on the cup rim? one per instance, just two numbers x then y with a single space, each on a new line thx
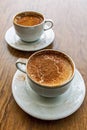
28 12
53 86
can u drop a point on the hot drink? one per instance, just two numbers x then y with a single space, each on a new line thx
28 19
30 25
50 68
49 72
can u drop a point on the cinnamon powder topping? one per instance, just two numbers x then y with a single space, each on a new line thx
50 68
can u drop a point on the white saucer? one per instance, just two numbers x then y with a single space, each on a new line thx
48 108
14 41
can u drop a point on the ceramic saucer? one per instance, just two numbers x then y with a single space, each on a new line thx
48 108
14 41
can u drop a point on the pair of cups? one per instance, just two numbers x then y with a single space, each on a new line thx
49 72
30 25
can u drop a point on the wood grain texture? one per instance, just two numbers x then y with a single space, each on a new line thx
70 27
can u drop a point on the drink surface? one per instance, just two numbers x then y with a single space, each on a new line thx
50 69
28 20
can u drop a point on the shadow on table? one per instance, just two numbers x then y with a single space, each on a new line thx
24 54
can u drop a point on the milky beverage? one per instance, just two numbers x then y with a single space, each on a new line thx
50 68
28 19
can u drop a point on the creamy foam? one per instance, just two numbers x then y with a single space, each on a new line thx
50 68
28 19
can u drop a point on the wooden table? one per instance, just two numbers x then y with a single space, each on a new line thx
70 27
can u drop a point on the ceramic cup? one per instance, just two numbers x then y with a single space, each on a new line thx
49 72
30 25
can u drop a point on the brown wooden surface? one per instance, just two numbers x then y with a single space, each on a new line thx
70 27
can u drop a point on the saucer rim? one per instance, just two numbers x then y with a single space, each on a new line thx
48 118
26 44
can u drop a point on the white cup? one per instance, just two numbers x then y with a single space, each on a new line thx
31 33
45 90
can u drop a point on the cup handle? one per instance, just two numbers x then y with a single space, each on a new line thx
21 64
50 26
